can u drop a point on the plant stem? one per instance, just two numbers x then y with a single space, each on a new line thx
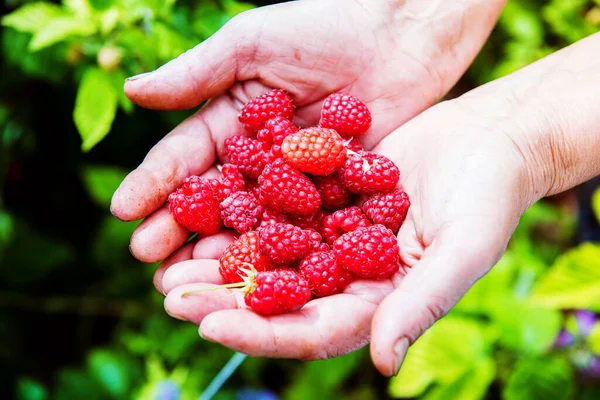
228 369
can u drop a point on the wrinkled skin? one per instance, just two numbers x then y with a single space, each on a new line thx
402 60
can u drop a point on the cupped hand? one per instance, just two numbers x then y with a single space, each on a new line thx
398 57
468 183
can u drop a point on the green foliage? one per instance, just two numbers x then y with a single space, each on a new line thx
108 40
540 378
596 204
455 356
102 181
573 281
29 389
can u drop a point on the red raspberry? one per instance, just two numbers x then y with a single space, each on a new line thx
388 209
284 188
334 195
324 274
286 243
314 221
369 173
241 211
249 155
277 291
231 181
370 253
274 132
316 151
272 217
252 187
343 221
195 206
346 114
267 106
240 255
354 145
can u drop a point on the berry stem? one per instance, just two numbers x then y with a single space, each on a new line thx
227 286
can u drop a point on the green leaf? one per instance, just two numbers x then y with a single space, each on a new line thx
593 340
471 386
118 80
169 43
102 181
573 281
74 384
32 17
32 255
445 353
111 371
322 379
28 389
95 107
101 5
596 203
531 330
59 29
540 378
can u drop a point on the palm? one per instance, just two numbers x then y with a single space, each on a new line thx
461 217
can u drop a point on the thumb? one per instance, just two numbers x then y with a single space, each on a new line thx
203 72
453 262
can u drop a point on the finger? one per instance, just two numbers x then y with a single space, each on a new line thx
203 72
195 306
157 236
323 328
190 149
447 269
183 254
192 271
211 247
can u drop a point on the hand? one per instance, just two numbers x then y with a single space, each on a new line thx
400 59
468 186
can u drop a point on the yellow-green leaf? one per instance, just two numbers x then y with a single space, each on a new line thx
32 17
573 281
95 107
471 386
596 203
445 353
59 29
593 340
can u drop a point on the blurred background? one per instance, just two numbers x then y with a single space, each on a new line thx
79 318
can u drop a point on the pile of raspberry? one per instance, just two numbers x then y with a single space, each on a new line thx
313 209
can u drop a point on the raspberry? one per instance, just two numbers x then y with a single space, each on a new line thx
334 195
240 255
354 145
369 252
262 108
274 132
323 274
346 114
343 221
249 155
284 188
388 209
241 211
316 151
285 243
368 173
231 181
277 291
252 187
272 217
195 206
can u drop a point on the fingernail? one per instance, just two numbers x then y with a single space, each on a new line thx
400 349
136 77
176 316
